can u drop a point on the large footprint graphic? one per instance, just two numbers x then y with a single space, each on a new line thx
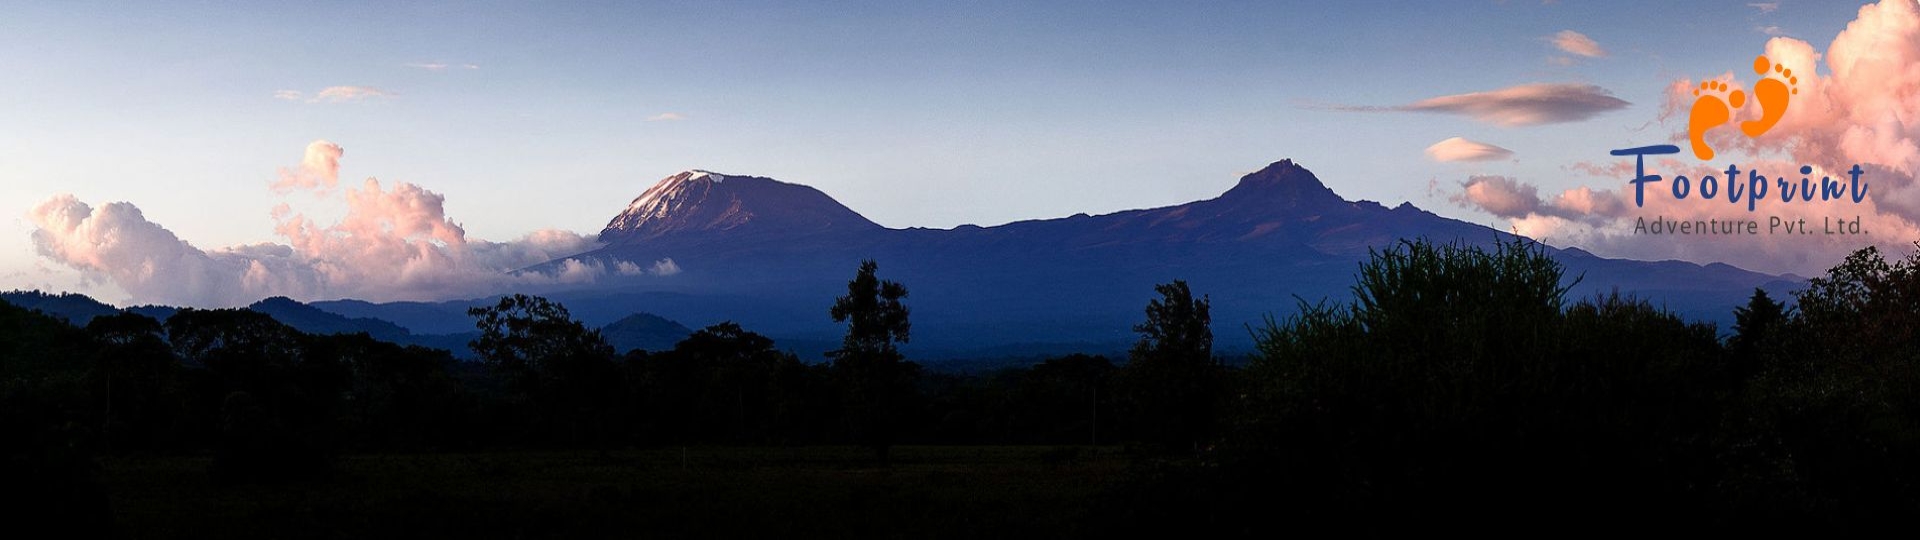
1708 113
1772 94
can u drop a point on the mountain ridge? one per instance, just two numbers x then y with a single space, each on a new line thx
1278 236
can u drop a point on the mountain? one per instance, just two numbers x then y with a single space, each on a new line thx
701 201
644 331
773 256
312 320
76 309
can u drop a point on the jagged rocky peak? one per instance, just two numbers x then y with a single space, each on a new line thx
700 200
1284 183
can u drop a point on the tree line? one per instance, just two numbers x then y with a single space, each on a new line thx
1456 383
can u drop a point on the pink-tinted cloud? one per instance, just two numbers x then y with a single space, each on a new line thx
393 243
1604 220
1577 43
1523 105
1461 149
1862 108
318 170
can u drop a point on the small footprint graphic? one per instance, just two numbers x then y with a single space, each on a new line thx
1772 93
1709 112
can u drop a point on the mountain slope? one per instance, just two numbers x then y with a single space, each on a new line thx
772 256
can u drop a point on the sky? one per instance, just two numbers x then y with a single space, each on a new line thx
506 132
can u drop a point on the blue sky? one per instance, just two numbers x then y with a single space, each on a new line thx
554 116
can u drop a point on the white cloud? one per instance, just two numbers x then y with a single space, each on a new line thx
666 117
439 66
392 244
1461 149
347 94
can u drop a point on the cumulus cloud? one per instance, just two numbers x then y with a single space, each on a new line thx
1863 108
1603 220
666 117
318 170
1577 43
393 243
1522 105
1858 102
665 267
1508 198
1461 149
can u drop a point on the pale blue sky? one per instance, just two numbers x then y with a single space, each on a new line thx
931 115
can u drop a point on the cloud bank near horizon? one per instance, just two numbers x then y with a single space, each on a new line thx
393 243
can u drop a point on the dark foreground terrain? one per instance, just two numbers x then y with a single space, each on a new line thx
927 492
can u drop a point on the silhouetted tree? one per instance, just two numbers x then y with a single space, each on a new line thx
726 384
875 380
1755 327
1171 381
137 376
563 369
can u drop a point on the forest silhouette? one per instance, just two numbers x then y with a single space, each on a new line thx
1458 388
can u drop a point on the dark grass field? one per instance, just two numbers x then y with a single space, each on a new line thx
926 492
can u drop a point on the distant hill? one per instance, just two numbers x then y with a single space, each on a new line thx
312 320
644 331
76 309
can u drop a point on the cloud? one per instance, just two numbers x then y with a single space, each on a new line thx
665 267
439 66
1603 221
393 243
1771 30
667 117
1863 108
1577 43
1498 195
289 95
1765 7
1522 105
344 94
319 170
1461 149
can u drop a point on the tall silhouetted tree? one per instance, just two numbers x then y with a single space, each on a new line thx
875 380
1754 326
1171 380
565 369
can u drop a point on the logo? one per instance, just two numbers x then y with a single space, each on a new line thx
1716 106
1772 93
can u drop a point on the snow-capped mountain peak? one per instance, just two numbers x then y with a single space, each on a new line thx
702 200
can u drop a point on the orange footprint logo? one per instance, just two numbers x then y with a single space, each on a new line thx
1710 111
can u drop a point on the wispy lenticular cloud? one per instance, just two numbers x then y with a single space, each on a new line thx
439 66
666 117
1577 43
344 94
1522 105
335 94
1461 149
